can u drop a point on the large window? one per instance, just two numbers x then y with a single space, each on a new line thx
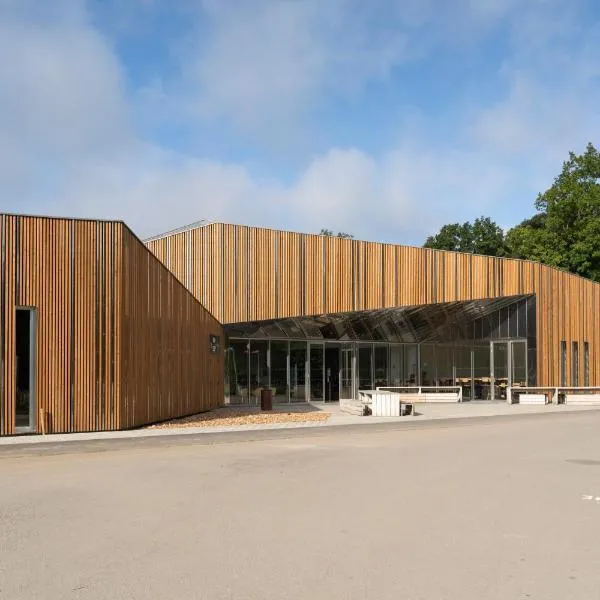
563 364
396 365
297 371
481 372
411 364
259 369
464 375
445 365
279 379
428 362
575 364
519 364
237 366
381 366
586 364
365 367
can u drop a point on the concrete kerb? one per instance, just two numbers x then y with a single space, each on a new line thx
106 441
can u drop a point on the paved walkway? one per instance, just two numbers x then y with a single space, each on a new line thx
425 412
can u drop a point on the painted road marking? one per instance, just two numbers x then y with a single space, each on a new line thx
588 497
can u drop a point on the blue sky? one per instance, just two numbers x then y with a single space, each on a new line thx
385 119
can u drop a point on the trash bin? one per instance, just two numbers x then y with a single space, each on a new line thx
266 399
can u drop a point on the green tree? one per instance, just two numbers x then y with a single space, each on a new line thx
528 239
341 234
483 236
570 209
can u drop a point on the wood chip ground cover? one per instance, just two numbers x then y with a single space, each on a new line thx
223 417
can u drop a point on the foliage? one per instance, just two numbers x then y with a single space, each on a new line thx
341 234
571 207
564 233
483 236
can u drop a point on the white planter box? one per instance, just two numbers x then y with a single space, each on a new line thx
582 399
385 404
532 399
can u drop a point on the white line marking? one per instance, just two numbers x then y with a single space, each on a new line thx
587 497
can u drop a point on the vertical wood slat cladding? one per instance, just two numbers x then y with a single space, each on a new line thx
316 274
57 267
168 370
73 274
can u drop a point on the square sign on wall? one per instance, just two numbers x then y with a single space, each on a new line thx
214 342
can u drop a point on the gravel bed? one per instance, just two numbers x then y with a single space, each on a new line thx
222 417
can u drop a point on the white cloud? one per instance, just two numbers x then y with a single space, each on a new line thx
69 145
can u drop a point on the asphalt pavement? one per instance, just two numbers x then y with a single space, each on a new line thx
498 508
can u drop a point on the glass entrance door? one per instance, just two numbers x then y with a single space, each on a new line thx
332 372
347 372
518 363
500 371
509 366
316 366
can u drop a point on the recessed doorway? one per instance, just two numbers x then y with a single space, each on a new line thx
25 402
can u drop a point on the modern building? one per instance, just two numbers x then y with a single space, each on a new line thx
95 333
319 318
99 331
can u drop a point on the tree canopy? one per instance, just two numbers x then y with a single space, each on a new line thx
341 234
565 231
483 236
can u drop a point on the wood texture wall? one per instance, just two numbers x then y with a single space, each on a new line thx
94 338
246 273
167 369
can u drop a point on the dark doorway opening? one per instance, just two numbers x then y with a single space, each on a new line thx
332 374
25 393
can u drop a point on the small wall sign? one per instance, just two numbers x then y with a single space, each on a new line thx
214 341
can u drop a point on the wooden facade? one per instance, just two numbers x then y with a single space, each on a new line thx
247 274
119 342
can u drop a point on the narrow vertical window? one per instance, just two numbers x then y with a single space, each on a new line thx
563 364
586 364
575 365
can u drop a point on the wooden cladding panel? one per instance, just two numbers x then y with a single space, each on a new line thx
313 274
167 369
67 271
230 287
288 281
262 263
86 372
389 275
338 275
7 330
373 273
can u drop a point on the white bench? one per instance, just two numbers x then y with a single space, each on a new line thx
582 399
429 394
532 399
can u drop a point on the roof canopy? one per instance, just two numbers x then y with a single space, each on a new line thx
473 320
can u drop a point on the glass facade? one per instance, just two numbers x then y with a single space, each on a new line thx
299 371
482 350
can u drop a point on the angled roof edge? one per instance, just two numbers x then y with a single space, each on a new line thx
204 223
194 225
